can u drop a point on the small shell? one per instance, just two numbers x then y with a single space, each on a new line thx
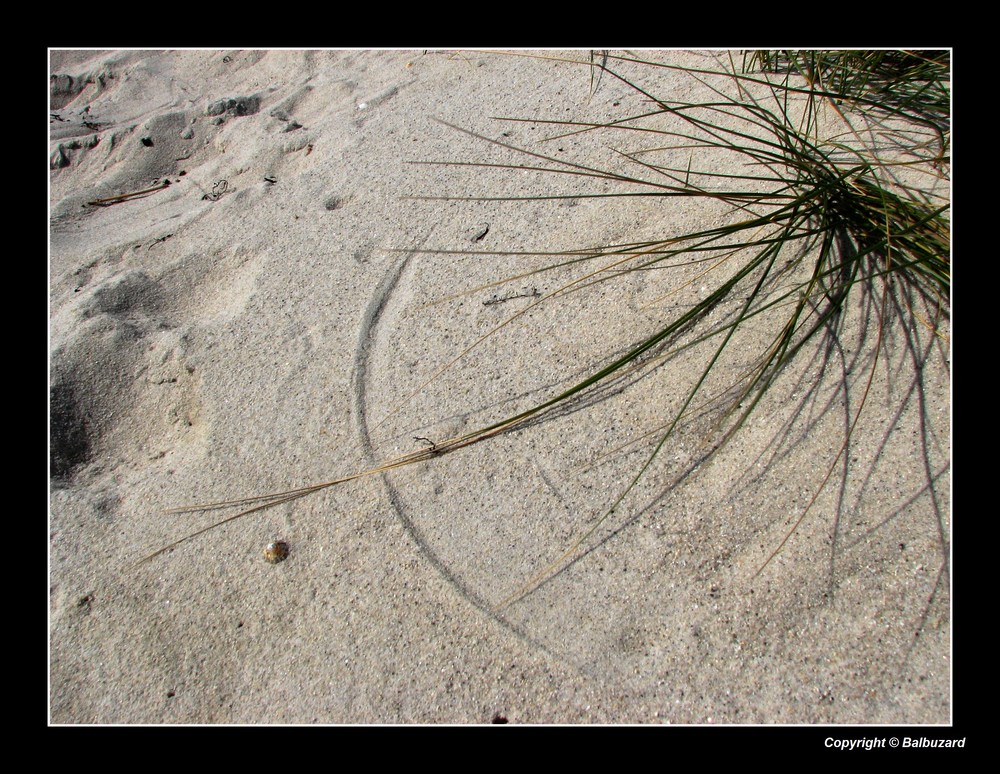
276 552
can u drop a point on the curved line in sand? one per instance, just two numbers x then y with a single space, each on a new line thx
367 339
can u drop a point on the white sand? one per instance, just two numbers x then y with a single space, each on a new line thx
248 328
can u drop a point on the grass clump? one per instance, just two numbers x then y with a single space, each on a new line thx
912 84
833 168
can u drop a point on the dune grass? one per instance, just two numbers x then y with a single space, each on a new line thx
839 208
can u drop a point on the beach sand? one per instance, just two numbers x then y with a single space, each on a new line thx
273 318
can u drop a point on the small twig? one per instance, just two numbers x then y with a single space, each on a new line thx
158 241
126 197
533 293
220 187
432 448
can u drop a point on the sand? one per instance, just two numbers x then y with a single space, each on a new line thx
272 319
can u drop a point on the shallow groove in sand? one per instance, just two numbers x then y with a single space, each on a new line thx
368 336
